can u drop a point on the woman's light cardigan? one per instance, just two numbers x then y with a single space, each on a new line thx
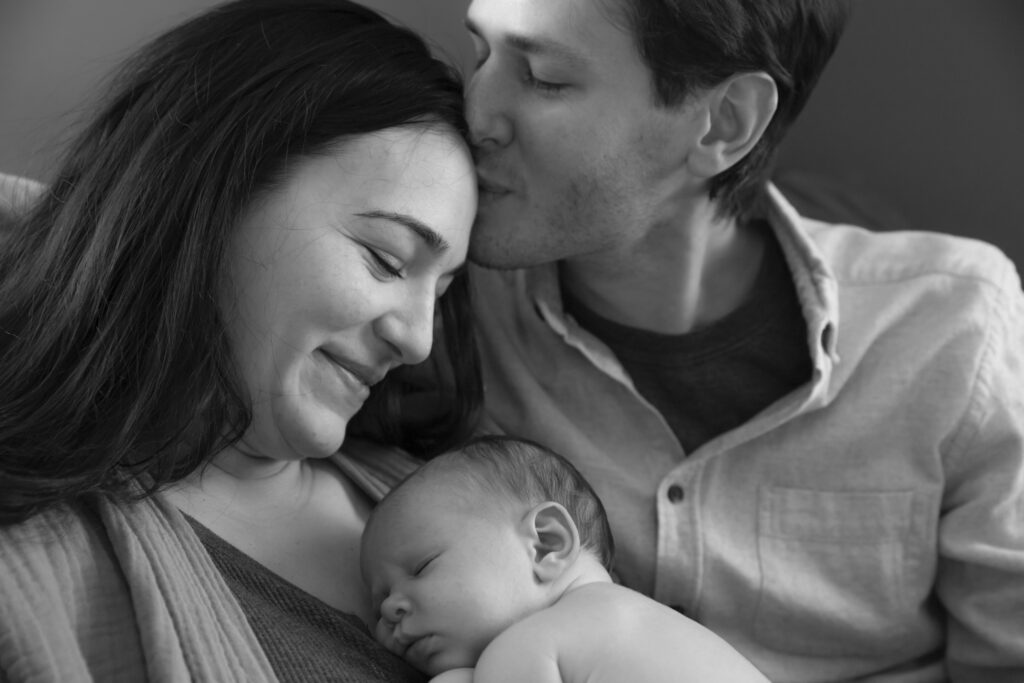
118 592
110 591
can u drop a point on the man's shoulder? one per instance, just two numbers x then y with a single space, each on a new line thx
858 255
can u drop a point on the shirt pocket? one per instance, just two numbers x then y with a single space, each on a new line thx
833 570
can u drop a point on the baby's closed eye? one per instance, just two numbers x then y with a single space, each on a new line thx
423 565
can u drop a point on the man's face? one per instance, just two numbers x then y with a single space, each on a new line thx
574 156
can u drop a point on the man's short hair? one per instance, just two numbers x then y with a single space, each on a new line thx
689 45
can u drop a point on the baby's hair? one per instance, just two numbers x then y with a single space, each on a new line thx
527 471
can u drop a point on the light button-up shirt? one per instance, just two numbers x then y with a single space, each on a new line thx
867 526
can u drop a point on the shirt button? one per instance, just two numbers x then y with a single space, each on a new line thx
675 493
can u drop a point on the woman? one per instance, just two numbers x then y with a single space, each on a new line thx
252 232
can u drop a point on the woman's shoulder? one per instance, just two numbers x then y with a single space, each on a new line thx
75 550
57 554
17 193
59 576
53 533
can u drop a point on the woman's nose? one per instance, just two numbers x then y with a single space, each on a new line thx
409 328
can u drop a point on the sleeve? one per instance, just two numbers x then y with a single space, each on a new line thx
981 530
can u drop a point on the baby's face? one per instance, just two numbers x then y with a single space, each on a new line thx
446 576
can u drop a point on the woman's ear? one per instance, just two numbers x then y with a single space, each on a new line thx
554 540
738 111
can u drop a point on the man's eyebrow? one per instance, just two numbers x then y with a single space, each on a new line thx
535 46
427 234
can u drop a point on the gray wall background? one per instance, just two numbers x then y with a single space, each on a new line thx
922 106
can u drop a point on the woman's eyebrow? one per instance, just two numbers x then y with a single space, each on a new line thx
427 234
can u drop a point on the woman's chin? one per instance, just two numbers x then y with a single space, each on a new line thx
321 443
310 432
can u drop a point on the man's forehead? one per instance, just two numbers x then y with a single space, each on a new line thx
553 25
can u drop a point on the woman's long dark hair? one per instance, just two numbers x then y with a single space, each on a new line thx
113 356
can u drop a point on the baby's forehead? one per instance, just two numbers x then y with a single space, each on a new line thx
420 499
444 492
445 479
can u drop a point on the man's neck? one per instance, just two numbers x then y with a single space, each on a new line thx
683 275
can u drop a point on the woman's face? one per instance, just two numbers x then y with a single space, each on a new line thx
332 279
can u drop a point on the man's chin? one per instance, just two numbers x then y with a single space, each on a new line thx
491 265
504 261
490 248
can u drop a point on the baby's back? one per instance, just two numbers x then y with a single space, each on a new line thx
604 633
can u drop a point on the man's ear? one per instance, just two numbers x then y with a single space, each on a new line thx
554 540
736 113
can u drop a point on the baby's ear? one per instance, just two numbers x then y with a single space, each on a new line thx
554 540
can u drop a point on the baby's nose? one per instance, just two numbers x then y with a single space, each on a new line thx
394 608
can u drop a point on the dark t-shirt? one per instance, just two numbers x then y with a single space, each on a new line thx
714 379
305 639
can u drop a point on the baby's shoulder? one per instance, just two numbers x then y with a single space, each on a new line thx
610 612
592 608
569 642
610 601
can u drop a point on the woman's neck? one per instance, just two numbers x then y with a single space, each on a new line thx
302 519
235 479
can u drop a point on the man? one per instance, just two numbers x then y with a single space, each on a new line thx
808 437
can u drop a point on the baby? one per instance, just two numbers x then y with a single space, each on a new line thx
490 563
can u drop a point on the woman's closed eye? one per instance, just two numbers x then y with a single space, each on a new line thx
384 265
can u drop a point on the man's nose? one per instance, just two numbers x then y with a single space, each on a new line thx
488 110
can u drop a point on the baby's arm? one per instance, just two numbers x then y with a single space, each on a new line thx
524 652
464 675
500 665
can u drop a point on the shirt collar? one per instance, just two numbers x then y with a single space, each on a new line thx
815 282
544 289
815 285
